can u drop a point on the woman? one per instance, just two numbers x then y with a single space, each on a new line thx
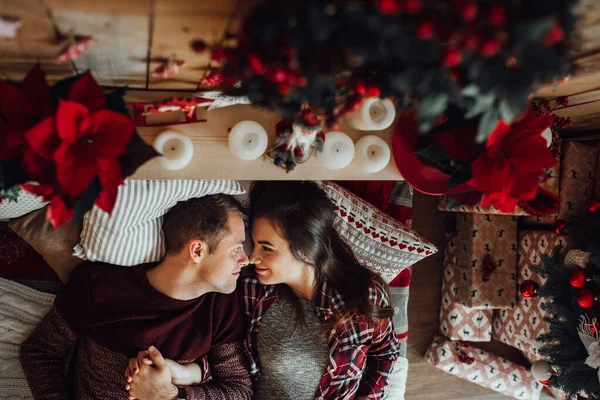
319 322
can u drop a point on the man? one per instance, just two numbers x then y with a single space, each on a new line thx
182 307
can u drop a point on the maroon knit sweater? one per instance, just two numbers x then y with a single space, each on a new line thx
108 314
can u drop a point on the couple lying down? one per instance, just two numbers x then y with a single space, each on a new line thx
306 321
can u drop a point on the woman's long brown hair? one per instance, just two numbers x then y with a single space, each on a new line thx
302 214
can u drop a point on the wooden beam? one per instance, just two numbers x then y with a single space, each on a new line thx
35 42
118 53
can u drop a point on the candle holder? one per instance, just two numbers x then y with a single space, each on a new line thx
372 154
374 114
176 149
248 140
338 150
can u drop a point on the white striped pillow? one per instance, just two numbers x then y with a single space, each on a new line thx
132 234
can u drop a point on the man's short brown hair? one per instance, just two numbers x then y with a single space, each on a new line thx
204 218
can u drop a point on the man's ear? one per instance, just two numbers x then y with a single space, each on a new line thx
197 250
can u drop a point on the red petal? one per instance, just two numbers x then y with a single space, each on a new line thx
85 90
459 143
44 191
531 154
500 201
58 213
544 203
68 117
43 138
106 201
490 175
36 90
110 131
532 124
15 107
498 135
109 172
523 187
35 165
11 141
75 168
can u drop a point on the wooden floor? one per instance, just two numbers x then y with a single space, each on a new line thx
424 380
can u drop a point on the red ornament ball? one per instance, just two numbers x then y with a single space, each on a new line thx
585 298
529 289
560 227
277 75
489 47
373 91
388 7
468 11
593 205
360 88
413 6
425 30
452 58
497 15
577 278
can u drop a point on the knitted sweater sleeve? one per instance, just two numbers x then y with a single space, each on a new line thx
43 357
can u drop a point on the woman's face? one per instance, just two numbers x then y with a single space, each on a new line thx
272 256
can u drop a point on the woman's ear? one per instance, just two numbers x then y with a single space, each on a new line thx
197 250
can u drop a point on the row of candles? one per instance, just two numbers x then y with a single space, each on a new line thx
248 140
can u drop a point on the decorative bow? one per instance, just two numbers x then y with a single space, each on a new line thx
588 333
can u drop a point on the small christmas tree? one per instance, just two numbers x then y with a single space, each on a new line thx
572 345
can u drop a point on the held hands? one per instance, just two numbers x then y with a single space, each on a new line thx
149 378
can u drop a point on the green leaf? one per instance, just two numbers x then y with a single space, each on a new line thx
470 90
430 107
517 85
436 155
482 103
487 123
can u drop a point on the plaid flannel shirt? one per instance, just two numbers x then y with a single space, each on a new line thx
361 355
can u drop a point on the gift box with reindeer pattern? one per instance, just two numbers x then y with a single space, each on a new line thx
520 326
483 368
487 260
458 322
578 168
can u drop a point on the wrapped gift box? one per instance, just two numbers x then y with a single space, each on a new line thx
483 240
458 322
483 368
577 172
520 326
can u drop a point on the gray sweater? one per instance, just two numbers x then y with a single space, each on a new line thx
292 362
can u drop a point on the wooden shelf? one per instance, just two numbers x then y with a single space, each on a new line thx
213 159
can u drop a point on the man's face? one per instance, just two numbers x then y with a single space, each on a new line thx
222 267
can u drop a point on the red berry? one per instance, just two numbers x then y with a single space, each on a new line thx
489 47
373 91
413 6
388 7
425 30
256 64
452 58
285 88
198 46
218 55
563 101
497 15
360 88
277 75
554 35
468 11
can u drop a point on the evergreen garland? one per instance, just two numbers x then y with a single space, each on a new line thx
562 346
483 56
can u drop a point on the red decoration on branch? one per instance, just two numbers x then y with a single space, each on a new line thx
577 278
73 50
585 298
168 69
529 289
593 205
560 227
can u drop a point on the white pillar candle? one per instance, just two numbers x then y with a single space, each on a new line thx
338 150
248 140
547 134
374 114
177 149
372 154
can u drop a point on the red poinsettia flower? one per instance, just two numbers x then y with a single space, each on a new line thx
78 140
515 158
22 108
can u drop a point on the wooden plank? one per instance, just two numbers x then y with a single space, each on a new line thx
35 42
118 54
213 159
585 116
175 27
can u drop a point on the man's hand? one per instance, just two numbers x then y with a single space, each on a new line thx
152 380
